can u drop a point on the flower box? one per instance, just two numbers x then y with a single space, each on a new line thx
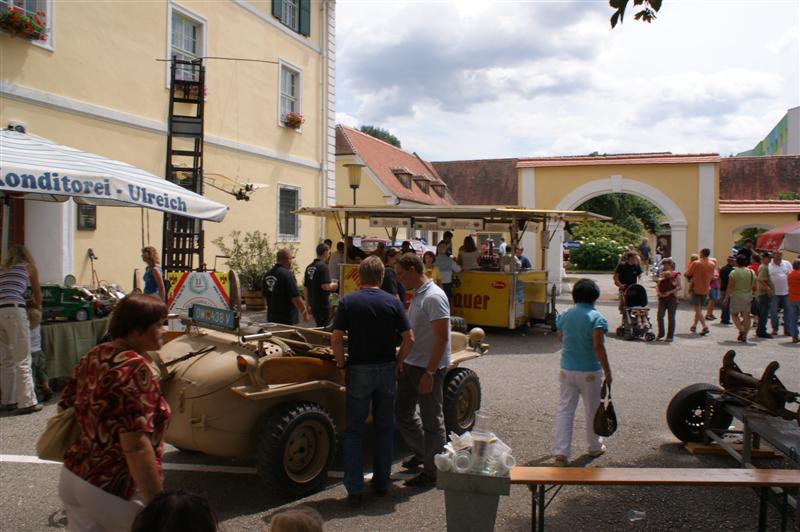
20 23
293 120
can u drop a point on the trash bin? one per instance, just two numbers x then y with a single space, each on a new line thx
471 500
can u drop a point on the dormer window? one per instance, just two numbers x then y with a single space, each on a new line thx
423 183
439 188
403 175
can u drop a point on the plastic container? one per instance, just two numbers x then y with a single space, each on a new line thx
462 461
443 461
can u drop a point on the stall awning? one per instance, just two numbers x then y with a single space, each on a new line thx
35 168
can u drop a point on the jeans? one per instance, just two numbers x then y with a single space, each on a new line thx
576 385
790 317
448 290
763 314
376 384
778 302
668 307
726 311
424 433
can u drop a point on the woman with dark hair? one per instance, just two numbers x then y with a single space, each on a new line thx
153 276
584 364
176 511
468 255
667 290
16 380
114 466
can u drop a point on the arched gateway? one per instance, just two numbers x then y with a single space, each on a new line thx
684 187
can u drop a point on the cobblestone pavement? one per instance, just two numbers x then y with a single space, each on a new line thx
519 380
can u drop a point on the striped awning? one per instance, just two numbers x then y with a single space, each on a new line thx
35 168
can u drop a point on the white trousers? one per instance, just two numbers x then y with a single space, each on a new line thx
574 385
16 380
91 509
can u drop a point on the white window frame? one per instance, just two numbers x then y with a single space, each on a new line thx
295 26
47 44
282 237
298 99
173 8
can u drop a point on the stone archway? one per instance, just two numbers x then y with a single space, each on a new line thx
617 184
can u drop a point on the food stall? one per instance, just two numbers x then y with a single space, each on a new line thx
499 294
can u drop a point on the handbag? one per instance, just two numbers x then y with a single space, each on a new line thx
605 419
61 432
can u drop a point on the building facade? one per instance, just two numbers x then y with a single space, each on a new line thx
99 82
784 139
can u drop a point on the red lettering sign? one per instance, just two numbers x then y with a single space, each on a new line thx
499 285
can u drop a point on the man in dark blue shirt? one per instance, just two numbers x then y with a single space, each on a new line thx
372 320
318 286
280 289
524 262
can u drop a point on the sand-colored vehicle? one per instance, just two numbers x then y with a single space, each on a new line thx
277 395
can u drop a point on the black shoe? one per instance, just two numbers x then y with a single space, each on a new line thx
27 410
764 335
379 491
412 462
355 499
704 332
423 480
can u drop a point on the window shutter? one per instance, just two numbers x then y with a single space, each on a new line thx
305 17
277 9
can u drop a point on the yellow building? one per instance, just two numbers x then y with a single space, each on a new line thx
96 83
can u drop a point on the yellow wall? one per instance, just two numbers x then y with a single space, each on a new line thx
730 225
105 55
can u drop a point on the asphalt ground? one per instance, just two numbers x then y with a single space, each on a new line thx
519 379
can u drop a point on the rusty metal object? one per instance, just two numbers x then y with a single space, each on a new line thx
767 393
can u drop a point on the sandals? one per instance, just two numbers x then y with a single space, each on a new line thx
693 329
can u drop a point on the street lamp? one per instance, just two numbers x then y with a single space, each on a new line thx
354 178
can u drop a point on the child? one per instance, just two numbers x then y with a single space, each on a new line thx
582 330
298 519
38 362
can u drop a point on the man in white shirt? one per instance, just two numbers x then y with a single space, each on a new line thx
779 269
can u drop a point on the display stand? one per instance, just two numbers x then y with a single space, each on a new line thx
65 342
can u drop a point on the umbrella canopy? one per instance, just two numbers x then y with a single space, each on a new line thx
784 237
35 168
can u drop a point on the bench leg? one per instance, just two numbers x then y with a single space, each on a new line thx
537 500
541 507
534 489
762 509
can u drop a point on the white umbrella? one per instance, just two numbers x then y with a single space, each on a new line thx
35 168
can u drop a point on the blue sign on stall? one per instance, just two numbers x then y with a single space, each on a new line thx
213 317
572 245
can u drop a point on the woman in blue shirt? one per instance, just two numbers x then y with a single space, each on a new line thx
153 277
584 362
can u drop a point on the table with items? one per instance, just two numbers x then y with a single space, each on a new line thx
65 342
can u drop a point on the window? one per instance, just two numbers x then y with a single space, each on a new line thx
295 14
32 8
288 222
290 91
186 44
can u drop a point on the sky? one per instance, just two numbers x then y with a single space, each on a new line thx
475 79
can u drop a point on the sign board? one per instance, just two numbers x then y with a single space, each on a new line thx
572 245
496 227
389 222
218 318
470 224
212 289
425 226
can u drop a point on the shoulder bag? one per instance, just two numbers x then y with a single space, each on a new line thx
60 433
605 419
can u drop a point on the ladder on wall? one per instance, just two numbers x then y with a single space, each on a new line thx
182 242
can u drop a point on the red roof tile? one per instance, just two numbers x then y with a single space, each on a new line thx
758 178
381 157
486 182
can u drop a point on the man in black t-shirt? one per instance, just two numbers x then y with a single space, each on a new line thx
318 286
372 320
626 274
354 252
390 283
280 289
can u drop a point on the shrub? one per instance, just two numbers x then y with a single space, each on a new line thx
250 256
597 230
596 254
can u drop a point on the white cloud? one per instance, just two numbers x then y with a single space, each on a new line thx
476 79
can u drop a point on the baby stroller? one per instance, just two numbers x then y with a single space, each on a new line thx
636 315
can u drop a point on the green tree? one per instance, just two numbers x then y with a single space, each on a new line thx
791 196
750 233
631 212
646 14
380 133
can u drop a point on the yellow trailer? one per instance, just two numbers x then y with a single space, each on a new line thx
490 297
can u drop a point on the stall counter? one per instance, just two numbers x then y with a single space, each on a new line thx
64 343
500 299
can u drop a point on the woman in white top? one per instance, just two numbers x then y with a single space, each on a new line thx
468 255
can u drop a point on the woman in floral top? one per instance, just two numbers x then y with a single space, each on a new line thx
114 467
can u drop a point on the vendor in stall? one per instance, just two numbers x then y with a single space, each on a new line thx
153 276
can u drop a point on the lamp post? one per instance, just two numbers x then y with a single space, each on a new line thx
354 178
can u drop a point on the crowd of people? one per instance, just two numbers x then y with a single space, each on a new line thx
752 289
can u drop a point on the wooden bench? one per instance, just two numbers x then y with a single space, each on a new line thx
537 478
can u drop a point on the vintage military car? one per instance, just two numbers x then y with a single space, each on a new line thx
277 395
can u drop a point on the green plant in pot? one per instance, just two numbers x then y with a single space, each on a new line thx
250 255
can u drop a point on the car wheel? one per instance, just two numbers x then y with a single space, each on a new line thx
296 448
462 398
459 324
82 315
686 413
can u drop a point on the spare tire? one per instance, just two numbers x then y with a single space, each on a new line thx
462 398
458 324
686 413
